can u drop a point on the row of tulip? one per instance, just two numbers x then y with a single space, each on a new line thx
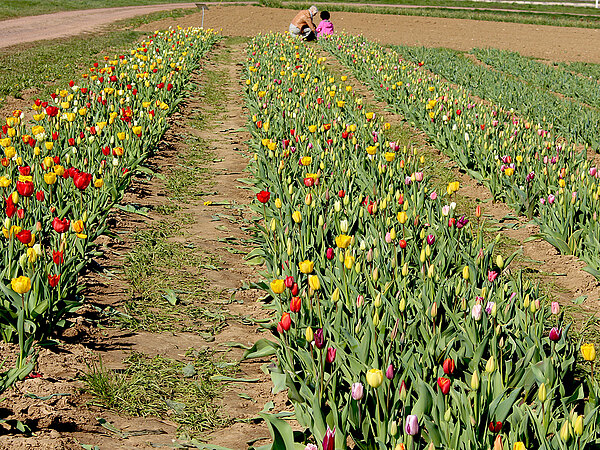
62 173
397 326
570 118
548 79
527 165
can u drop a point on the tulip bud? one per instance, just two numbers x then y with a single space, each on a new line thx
405 269
526 301
465 272
402 304
393 428
430 271
376 319
403 391
565 431
344 226
490 365
375 273
475 381
273 225
578 425
448 415
377 302
434 309
309 334
336 295
542 394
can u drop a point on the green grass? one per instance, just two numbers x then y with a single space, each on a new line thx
65 59
166 294
552 18
184 180
181 391
19 8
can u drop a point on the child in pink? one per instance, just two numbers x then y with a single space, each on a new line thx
325 26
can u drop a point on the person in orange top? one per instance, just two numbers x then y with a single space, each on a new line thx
303 26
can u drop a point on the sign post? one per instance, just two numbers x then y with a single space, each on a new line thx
204 7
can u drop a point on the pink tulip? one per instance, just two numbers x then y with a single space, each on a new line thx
555 308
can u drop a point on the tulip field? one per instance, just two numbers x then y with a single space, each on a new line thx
395 320
62 174
397 325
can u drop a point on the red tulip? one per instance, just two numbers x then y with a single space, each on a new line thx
10 207
495 427
402 244
329 254
25 188
449 366
289 282
309 182
53 280
82 180
295 304
25 170
330 355
24 236
263 196
20 213
60 226
40 196
57 257
341 193
555 334
451 222
295 289
444 385
286 321
52 111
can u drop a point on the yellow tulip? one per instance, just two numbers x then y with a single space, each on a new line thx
519 446
297 217
542 393
309 334
314 283
306 266
21 284
278 286
465 272
77 226
343 241
588 351
349 261
375 378
50 178
402 217
4 181
565 431
99 182
578 425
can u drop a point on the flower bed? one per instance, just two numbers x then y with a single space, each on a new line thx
396 324
62 174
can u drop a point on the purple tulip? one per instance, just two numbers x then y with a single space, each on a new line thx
489 307
330 355
389 373
412 425
357 391
555 334
319 339
430 239
329 439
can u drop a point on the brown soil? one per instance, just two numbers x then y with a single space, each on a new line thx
66 421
